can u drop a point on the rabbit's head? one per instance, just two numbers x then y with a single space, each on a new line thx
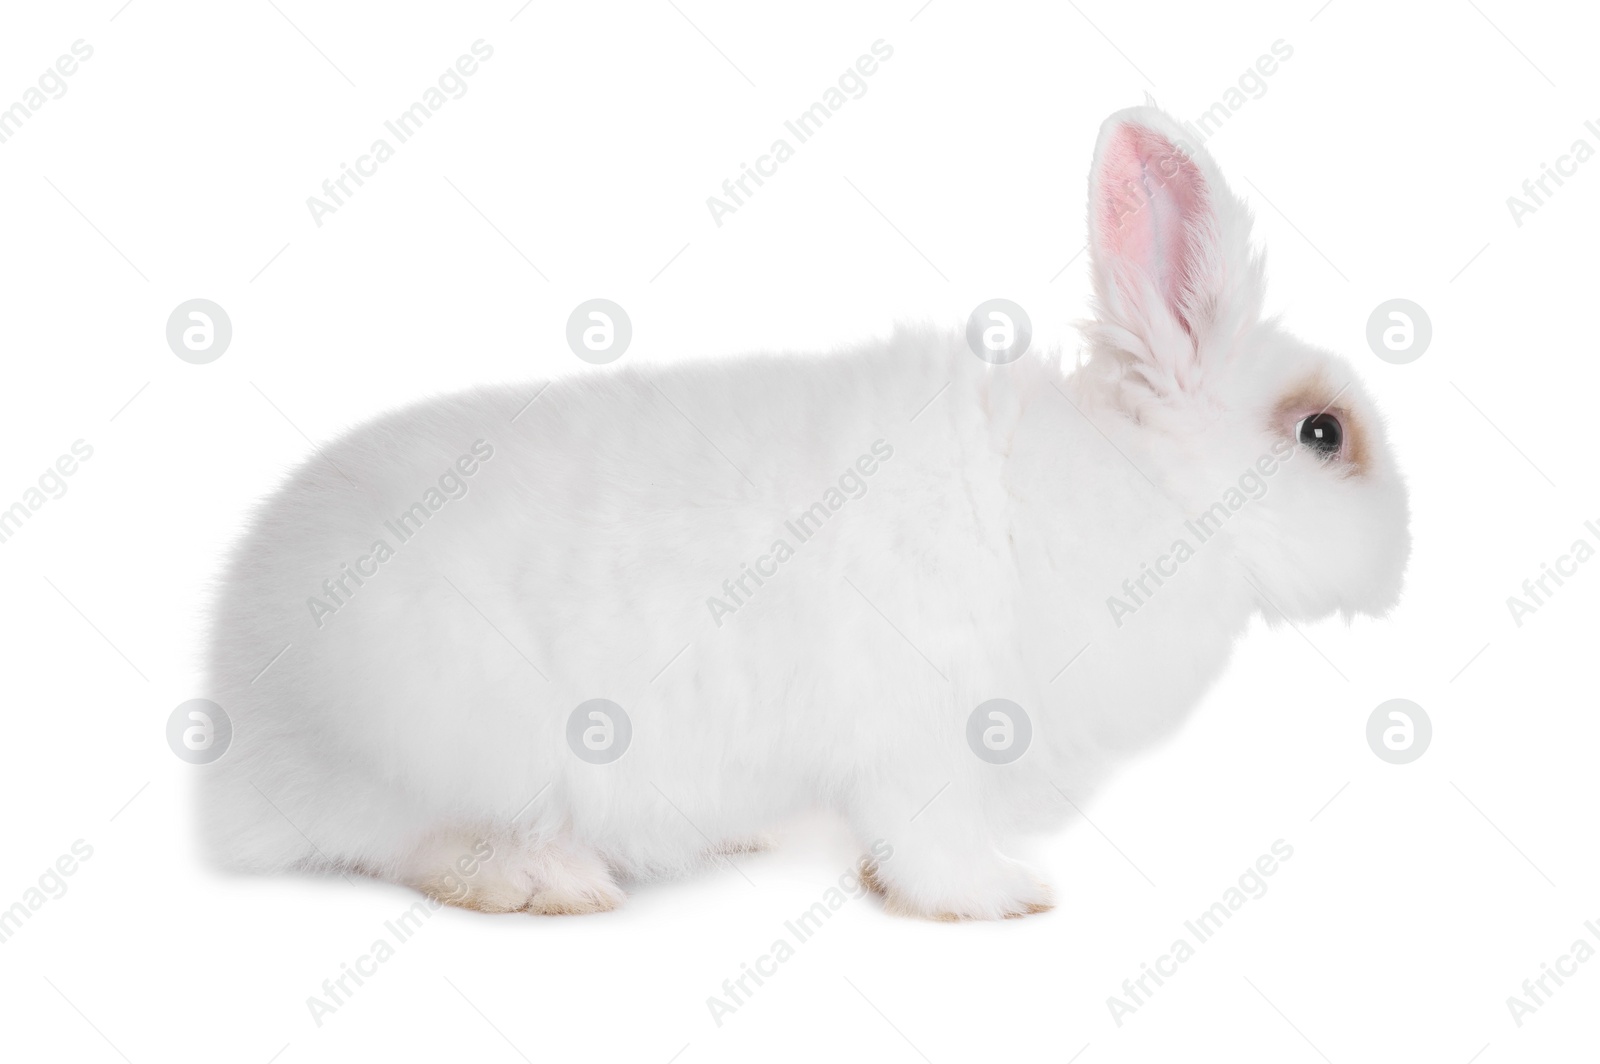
1275 439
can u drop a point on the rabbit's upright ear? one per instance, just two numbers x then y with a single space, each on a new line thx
1174 274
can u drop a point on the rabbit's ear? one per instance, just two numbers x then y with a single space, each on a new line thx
1173 270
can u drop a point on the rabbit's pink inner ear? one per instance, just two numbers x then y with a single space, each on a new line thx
1152 207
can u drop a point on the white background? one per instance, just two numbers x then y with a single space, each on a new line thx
1378 160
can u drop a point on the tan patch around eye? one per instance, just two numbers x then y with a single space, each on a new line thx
1316 396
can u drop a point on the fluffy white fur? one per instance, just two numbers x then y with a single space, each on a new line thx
414 726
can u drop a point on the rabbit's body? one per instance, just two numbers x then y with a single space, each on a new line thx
955 532
590 543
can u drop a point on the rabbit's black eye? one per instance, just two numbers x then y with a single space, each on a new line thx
1322 433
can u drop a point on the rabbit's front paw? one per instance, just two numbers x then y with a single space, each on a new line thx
992 890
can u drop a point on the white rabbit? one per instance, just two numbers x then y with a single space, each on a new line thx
953 531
